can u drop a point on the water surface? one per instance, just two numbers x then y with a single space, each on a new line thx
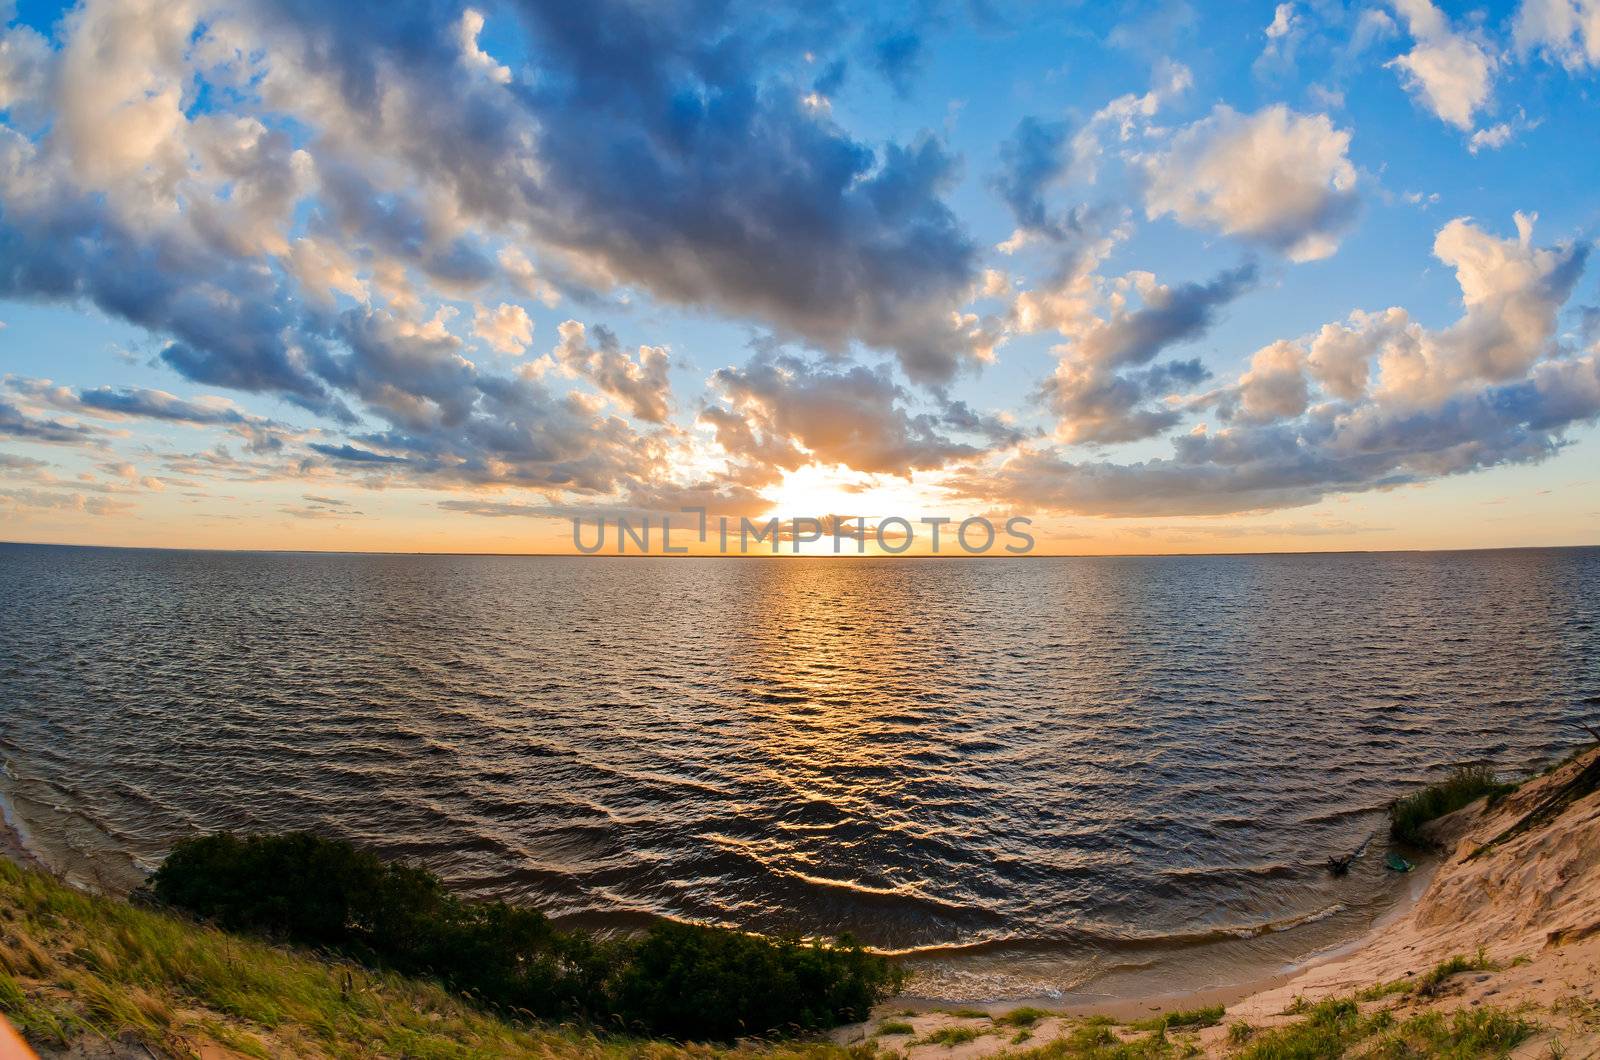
1036 774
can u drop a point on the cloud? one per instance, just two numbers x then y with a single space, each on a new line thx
785 411
17 424
1494 137
1307 419
1450 73
507 329
1274 466
663 148
1563 31
1283 34
1031 159
639 384
1274 388
898 56
12 462
388 162
1275 178
48 500
1094 395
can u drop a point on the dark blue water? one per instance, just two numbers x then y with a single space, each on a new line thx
1033 772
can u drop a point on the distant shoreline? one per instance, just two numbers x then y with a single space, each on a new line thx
787 556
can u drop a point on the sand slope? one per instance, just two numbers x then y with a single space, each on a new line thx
1530 902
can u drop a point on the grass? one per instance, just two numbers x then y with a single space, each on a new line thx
1328 1029
1461 788
1466 1033
1184 1019
1026 1016
896 1027
1435 977
1096 1040
78 967
1338 1027
949 1037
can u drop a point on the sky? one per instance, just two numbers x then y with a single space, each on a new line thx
1159 277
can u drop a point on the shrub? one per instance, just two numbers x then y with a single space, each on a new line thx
1464 786
676 981
693 982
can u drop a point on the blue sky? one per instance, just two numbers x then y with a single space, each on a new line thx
1161 276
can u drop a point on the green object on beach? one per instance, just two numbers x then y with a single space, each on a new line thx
1398 863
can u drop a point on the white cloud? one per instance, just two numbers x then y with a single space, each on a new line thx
507 329
1275 386
119 114
1128 115
472 54
1565 31
1282 21
1276 178
1450 73
324 268
521 272
1494 137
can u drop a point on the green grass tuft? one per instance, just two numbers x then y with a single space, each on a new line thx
1462 787
1435 977
896 1027
949 1037
1185 1019
1025 1016
1095 1040
1466 1033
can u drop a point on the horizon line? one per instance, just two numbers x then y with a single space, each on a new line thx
803 556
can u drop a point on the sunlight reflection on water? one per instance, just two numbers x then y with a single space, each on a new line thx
1061 766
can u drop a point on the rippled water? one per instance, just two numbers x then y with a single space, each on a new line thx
1035 773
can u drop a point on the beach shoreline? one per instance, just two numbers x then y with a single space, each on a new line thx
1505 922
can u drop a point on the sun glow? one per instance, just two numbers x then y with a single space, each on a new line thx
821 491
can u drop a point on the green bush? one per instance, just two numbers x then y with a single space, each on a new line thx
691 982
1464 786
677 981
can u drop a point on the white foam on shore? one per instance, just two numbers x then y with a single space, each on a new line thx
13 832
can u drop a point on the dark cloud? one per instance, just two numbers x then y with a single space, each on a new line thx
898 57
1032 158
671 151
349 454
18 424
1102 390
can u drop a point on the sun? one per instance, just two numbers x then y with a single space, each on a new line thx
816 491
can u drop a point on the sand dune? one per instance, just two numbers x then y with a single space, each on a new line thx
1517 896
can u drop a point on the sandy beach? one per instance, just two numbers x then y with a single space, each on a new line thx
1519 902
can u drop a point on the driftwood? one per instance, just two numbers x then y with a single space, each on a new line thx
1340 866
